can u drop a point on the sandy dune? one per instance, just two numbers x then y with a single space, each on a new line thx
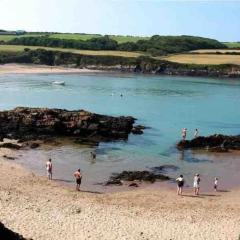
31 68
40 209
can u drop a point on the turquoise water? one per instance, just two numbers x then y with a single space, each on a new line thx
165 104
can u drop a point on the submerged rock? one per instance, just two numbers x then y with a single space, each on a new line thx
41 123
138 175
10 145
216 142
138 129
165 168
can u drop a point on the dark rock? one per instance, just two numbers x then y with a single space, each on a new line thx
9 158
114 182
218 149
39 123
133 185
10 145
34 145
215 142
7 234
139 175
138 129
165 168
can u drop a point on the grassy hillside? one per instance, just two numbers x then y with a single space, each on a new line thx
20 48
232 44
84 37
208 59
6 38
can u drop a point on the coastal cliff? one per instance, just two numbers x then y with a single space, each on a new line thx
142 64
34 123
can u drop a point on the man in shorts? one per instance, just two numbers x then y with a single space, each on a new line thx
49 168
78 178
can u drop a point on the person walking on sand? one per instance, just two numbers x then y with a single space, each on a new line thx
215 184
180 184
196 133
49 168
78 177
196 184
184 133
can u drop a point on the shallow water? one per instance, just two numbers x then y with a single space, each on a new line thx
166 104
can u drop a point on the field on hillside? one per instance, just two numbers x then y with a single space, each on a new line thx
20 48
216 50
119 39
10 37
232 44
213 59
76 36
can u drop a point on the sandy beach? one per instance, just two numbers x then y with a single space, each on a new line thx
31 68
40 209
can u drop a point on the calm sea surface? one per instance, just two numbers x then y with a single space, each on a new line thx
165 104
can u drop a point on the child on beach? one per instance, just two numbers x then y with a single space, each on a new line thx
49 168
196 184
215 184
180 184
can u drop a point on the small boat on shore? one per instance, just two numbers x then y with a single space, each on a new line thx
59 83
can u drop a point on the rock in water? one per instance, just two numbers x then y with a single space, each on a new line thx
34 123
138 175
217 142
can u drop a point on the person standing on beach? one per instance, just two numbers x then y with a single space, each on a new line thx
49 168
78 177
196 184
180 183
215 184
184 133
196 133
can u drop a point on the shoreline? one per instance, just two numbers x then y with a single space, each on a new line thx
14 68
58 212
29 68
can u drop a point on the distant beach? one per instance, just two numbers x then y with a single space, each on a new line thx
31 68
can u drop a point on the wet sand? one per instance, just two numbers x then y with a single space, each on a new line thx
42 209
31 68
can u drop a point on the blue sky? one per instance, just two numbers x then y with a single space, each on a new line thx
214 19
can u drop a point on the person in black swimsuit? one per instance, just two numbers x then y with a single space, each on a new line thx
180 184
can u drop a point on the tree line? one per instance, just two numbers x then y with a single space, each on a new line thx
156 45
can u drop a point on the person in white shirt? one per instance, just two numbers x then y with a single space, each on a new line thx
196 184
180 184
196 133
49 168
215 184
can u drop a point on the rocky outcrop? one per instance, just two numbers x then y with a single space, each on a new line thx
214 143
41 123
7 234
148 176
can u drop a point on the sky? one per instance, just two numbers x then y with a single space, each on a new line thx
215 19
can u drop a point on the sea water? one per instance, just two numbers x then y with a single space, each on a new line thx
165 104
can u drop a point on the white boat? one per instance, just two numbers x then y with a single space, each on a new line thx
58 83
